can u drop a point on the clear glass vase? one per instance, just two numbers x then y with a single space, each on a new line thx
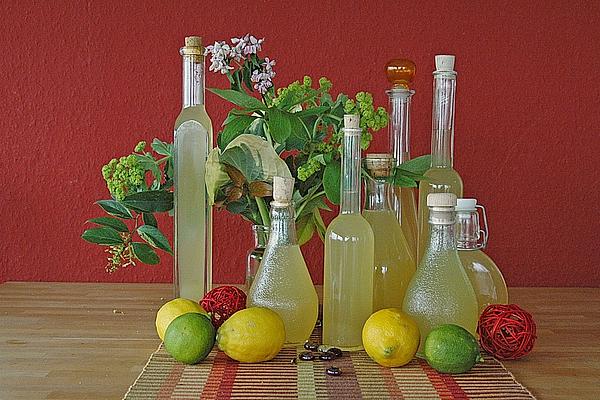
255 255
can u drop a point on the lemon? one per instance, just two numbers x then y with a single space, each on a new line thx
252 335
173 309
190 337
390 337
451 349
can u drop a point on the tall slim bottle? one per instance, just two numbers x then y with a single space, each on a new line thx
282 282
394 262
349 255
440 292
193 214
400 73
442 178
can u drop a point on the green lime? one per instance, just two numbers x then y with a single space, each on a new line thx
451 349
190 337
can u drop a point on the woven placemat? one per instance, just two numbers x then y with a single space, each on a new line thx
219 377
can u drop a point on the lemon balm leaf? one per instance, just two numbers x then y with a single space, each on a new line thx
104 235
115 208
111 222
154 237
145 253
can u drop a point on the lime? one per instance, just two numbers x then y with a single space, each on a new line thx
190 337
252 335
173 309
451 349
390 337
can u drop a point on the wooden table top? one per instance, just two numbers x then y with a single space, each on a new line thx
90 341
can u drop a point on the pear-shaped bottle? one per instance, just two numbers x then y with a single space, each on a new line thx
282 282
485 276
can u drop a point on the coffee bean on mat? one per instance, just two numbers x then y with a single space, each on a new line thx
335 351
326 356
311 346
333 371
306 356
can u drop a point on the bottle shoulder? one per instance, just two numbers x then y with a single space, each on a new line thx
196 113
350 225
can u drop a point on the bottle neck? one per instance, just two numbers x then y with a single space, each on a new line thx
350 182
467 230
400 123
193 80
378 195
442 138
442 235
283 227
261 235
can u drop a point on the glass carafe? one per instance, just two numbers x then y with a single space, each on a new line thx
485 276
255 255
440 291
394 262
283 283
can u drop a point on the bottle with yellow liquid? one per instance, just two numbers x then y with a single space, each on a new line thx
193 214
282 282
441 177
394 262
485 276
349 255
440 292
400 73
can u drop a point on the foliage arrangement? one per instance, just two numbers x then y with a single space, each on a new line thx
293 131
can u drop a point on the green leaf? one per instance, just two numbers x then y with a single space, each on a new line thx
313 204
331 181
233 129
403 181
279 124
215 176
299 135
145 253
241 99
115 208
104 235
305 229
417 165
114 223
150 201
149 219
165 149
312 111
149 164
319 223
154 237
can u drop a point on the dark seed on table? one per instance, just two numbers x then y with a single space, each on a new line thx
327 356
333 371
294 361
311 346
306 356
318 324
335 351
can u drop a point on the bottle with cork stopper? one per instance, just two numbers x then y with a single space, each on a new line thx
394 262
400 73
349 254
282 282
440 292
192 212
441 176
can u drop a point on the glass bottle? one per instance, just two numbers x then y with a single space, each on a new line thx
400 73
394 262
440 291
193 214
442 178
255 255
349 255
282 282
485 276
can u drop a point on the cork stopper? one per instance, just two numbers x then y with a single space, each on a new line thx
351 121
400 72
444 63
193 46
379 165
283 189
441 200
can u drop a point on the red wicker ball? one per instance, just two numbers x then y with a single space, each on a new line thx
506 331
223 302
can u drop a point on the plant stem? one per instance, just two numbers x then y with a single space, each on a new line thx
264 211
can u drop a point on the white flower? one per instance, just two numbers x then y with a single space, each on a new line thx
219 60
248 44
268 65
263 79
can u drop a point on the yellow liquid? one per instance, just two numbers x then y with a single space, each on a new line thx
193 226
394 263
486 278
347 281
283 285
441 293
441 180
408 218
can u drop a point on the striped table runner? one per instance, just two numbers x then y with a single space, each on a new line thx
219 377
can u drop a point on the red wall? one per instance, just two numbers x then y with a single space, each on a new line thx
83 82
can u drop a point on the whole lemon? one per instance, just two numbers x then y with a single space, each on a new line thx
390 337
173 309
252 335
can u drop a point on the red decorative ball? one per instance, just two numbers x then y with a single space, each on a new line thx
223 302
506 331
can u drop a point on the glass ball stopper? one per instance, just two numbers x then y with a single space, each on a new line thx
400 72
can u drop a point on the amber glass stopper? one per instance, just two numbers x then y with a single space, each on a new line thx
400 72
